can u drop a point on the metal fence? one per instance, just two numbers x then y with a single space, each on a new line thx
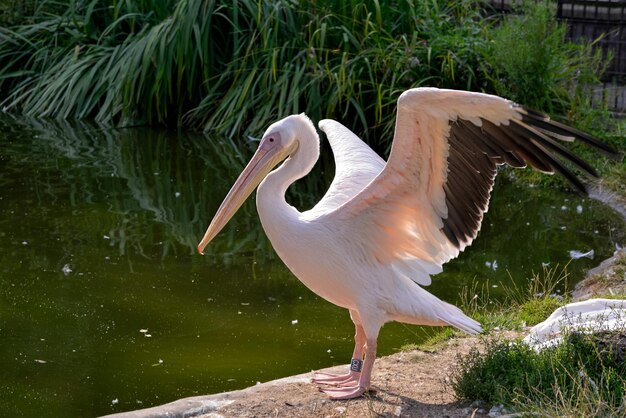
602 21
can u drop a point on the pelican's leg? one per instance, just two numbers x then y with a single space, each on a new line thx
354 373
361 386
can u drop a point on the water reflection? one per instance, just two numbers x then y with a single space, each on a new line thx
166 176
99 230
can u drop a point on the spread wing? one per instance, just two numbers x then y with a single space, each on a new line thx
356 165
428 202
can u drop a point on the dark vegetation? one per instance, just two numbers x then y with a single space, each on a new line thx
234 67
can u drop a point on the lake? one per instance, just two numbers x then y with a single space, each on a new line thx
105 306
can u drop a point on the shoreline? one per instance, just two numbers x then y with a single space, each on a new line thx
407 383
427 396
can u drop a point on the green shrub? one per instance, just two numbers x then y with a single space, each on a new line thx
585 373
536 310
532 62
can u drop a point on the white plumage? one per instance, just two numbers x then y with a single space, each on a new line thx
383 229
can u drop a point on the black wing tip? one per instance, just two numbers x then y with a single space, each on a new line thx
531 112
579 187
535 118
451 235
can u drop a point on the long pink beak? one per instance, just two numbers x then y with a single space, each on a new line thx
264 159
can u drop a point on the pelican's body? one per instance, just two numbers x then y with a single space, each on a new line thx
383 229
302 239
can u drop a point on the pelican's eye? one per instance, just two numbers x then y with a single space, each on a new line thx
271 141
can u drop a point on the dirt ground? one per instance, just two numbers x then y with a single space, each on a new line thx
407 384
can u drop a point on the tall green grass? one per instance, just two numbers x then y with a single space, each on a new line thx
522 305
581 377
349 62
234 67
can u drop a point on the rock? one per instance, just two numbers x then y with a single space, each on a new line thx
593 314
603 279
477 404
497 411
341 410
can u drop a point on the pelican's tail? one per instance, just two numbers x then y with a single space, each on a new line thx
417 306
454 316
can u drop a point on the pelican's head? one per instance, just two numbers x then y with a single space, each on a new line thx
279 141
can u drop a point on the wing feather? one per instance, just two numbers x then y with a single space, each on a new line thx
356 165
428 202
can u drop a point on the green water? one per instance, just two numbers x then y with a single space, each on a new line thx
105 306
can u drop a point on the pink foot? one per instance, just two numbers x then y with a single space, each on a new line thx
346 392
349 379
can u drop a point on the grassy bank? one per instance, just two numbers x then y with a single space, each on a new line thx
235 67
584 375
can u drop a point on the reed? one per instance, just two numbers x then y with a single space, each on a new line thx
234 67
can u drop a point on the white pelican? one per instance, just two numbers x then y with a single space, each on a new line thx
382 229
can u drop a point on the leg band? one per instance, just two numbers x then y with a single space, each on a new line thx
356 365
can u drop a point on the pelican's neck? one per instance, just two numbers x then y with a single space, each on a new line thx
270 196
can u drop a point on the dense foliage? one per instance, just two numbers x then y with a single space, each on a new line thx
583 376
234 67
544 72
